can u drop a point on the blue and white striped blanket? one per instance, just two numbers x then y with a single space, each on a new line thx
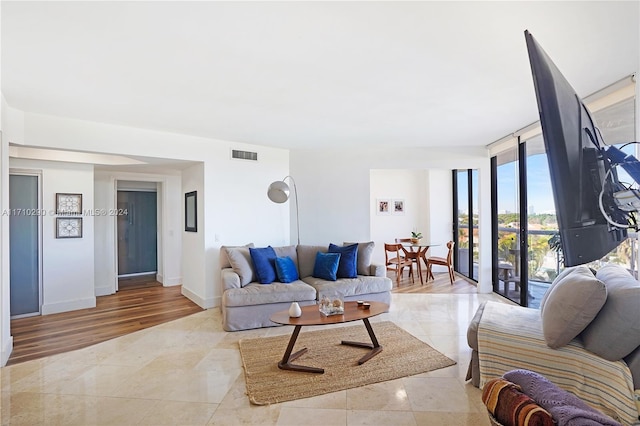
510 337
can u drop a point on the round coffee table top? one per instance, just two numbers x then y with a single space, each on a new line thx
311 314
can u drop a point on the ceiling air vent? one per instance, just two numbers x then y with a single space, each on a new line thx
244 155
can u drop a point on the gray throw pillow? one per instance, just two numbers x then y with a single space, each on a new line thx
615 332
240 261
287 251
572 304
365 254
561 275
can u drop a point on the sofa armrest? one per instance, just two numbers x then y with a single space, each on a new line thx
377 270
229 279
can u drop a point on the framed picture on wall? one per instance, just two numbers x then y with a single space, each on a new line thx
383 206
68 204
191 211
68 227
398 206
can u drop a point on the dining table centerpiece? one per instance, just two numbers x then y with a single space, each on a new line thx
416 237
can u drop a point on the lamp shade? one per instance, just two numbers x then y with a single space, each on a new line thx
278 192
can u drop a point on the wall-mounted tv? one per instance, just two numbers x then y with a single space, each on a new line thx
578 165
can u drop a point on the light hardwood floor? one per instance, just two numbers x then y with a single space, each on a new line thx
140 303
440 284
143 303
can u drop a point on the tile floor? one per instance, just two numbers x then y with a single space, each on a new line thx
189 372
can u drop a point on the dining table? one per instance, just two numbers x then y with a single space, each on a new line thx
418 251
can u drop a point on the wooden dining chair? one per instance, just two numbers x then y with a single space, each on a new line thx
412 254
395 261
448 262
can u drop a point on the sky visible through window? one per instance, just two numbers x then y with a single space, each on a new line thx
539 189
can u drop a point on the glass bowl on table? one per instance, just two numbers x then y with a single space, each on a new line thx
331 305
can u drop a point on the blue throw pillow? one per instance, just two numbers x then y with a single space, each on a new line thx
326 266
348 266
286 269
264 263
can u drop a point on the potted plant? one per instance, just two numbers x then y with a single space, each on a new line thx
415 237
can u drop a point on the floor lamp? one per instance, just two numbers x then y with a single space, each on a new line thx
279 192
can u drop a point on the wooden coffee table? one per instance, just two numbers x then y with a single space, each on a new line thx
311 316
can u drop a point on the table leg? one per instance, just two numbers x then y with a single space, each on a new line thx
375 347
285 364
505 280
426 264
419 264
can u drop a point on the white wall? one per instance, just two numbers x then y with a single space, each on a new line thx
334 192
440 212
236 208
67 263
105 275
408 185
6 341
194 275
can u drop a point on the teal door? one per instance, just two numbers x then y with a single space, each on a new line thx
137 233
24 246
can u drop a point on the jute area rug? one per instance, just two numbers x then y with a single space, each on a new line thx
402 355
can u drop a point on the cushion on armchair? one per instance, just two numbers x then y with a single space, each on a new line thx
561 275
572 303
615 332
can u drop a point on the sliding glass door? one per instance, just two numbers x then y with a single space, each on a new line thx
465 211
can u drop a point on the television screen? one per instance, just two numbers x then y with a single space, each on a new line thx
578 165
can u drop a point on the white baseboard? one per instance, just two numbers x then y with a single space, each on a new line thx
203 303
7 348
169 282
72 305
104 291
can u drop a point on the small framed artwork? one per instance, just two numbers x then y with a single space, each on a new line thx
68 203
398 206
191 211
68 227
383 206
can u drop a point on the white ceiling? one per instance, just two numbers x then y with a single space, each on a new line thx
308 74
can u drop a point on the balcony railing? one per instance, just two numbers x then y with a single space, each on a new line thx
544 263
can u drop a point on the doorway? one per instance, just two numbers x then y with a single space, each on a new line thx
24 245
137 232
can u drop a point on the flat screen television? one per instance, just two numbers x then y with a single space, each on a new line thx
577 163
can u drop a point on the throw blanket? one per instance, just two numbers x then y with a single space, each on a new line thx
565 407
510 407
510 337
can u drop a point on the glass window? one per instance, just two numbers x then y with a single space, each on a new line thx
475 202
543 261
466 248
508 216
462 191
616 124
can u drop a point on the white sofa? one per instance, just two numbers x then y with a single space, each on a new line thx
585 339
247 304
